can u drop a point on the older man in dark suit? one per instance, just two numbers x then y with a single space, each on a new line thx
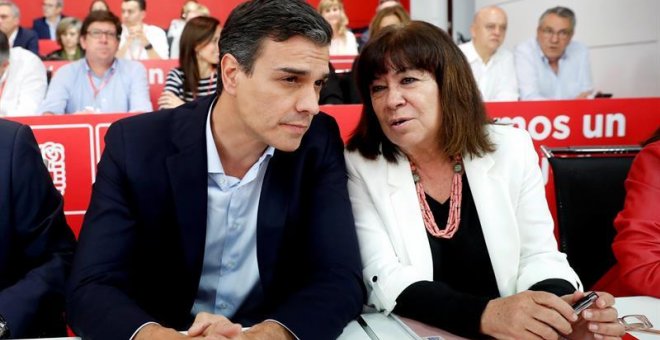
46 26
231 209
36 245
10 17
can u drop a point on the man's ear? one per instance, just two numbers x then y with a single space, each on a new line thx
229 71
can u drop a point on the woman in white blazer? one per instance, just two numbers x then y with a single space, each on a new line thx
484 262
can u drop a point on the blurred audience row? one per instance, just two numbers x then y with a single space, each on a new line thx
103 76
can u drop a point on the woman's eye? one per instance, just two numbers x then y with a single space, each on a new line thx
377 88
408 80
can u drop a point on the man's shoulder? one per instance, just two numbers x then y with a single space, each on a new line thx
468 50
70 68
20 54
527 46
576 48
8 127
40 21
26 33
177 118
132 68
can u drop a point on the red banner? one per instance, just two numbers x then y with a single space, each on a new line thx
72 144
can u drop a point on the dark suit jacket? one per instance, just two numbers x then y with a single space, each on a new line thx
40 27
27 39
36 245
142 242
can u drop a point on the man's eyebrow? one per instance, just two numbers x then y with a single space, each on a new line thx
292 70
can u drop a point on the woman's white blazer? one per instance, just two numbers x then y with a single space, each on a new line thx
509 195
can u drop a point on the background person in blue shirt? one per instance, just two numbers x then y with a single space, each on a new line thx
98 83
552 66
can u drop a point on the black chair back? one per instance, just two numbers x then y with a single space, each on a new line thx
589 188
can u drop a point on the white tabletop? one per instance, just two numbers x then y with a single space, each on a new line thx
648 306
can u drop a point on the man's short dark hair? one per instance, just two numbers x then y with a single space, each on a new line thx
100 16
141 3
253 21
4 47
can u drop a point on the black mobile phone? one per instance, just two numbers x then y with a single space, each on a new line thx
603 95
584 302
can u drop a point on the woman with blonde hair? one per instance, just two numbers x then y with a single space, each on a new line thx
68 37
343 40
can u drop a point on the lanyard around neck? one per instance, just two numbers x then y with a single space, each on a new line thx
104 83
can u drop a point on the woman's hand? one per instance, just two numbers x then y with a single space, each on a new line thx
169 100
599 321
528 315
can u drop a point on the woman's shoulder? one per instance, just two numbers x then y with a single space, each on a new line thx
176 72
507 135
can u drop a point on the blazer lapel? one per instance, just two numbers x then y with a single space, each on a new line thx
411 242
271 216
187 171
498 221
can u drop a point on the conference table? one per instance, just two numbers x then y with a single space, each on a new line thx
377 326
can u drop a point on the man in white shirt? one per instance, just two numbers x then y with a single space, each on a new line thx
140 41
492 66
22 80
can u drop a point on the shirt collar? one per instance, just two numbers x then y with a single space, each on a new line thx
112 68
12 37
471 53
213 157
540 54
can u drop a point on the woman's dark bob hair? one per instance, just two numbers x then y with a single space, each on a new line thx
422 46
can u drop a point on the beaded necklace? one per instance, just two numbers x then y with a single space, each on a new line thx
454 202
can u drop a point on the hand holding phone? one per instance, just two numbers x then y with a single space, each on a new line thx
584 302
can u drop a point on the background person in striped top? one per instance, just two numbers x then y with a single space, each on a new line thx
196 75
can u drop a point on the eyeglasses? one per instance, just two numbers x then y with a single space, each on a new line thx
637 323
97 34
561 34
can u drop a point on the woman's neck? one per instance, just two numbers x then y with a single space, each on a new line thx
205 69
71 50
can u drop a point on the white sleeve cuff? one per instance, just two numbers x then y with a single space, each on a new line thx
281 324
140 328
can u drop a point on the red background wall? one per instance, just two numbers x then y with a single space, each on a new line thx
161 12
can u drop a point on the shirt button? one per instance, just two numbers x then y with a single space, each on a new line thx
231 265
224 306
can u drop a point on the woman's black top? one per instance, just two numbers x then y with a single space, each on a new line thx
463 277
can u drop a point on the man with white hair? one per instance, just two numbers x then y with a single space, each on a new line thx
22 80
10 17
46 26
491 65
